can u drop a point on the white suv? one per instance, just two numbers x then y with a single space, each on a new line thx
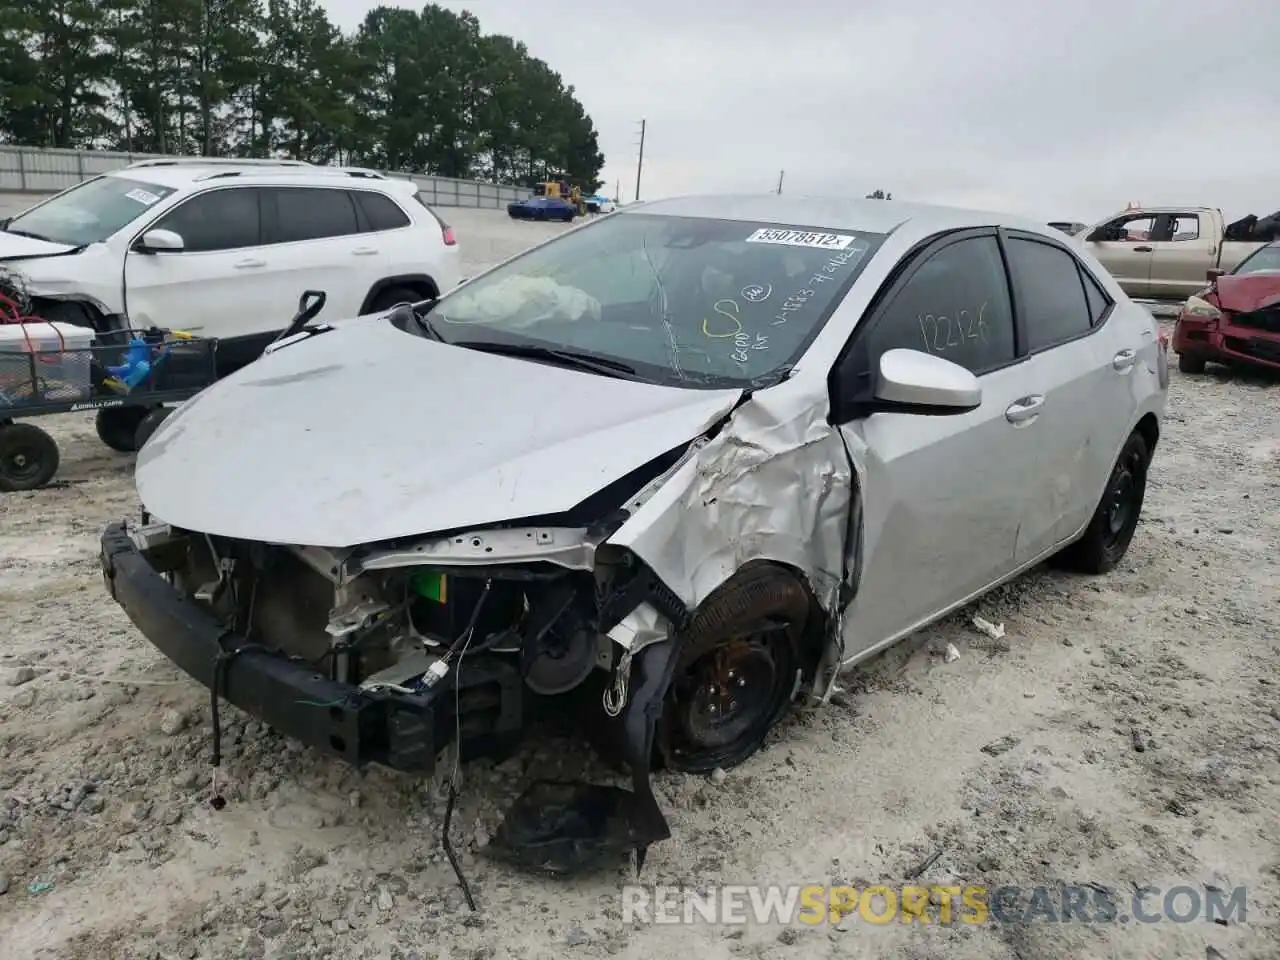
224 248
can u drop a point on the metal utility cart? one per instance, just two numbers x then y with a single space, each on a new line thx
137 370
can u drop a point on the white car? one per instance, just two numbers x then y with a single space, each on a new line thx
682 465
223 248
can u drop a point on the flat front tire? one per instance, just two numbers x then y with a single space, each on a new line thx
736 673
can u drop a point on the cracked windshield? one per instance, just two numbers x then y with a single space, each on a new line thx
678 300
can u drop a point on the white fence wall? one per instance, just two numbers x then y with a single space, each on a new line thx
37 170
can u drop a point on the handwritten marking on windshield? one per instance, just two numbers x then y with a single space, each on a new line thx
835 263
757 292
743 342
722 307
792 304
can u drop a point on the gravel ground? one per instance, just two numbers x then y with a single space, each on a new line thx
1132 725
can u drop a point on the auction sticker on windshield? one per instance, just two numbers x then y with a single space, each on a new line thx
801 238
145 197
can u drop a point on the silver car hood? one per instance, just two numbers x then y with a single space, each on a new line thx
366 433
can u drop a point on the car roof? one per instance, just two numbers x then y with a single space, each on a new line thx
833 213
186 174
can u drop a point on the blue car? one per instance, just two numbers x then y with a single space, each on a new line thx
542 208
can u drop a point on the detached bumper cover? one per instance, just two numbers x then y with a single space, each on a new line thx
335 718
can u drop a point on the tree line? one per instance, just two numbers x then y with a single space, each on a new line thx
422 91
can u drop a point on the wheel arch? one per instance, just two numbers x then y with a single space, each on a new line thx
420 283
80 311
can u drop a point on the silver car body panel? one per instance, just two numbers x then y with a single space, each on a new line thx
365 434
944 507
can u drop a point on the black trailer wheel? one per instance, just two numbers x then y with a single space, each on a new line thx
150 423
118 426
28 457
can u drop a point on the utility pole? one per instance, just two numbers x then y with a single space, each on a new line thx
617 191
640 165
781 173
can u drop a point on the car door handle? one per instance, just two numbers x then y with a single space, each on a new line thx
1124 360
1142 249
1025 409
249 264
364 251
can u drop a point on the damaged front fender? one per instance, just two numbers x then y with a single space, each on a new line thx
777 484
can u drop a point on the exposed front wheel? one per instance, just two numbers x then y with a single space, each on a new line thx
118 427
1110 531
28 457
736 672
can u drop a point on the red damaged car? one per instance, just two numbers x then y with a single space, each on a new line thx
1236 319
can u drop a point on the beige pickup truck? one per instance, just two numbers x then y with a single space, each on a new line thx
1166 253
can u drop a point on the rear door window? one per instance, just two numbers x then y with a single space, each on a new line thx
955 305
1051 296
228 219
380 212
312 213
1184 226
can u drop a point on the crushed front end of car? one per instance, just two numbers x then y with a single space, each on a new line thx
1236 320
394 654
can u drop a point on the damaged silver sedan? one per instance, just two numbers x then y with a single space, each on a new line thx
662 478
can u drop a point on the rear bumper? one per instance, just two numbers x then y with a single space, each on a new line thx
335 718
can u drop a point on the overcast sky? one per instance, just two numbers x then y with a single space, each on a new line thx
1058 110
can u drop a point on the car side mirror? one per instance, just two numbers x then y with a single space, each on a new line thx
160 241
910 381
1213 273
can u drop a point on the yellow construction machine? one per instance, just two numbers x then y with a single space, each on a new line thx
562 190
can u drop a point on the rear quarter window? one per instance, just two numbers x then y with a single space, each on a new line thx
379 211
1099 303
